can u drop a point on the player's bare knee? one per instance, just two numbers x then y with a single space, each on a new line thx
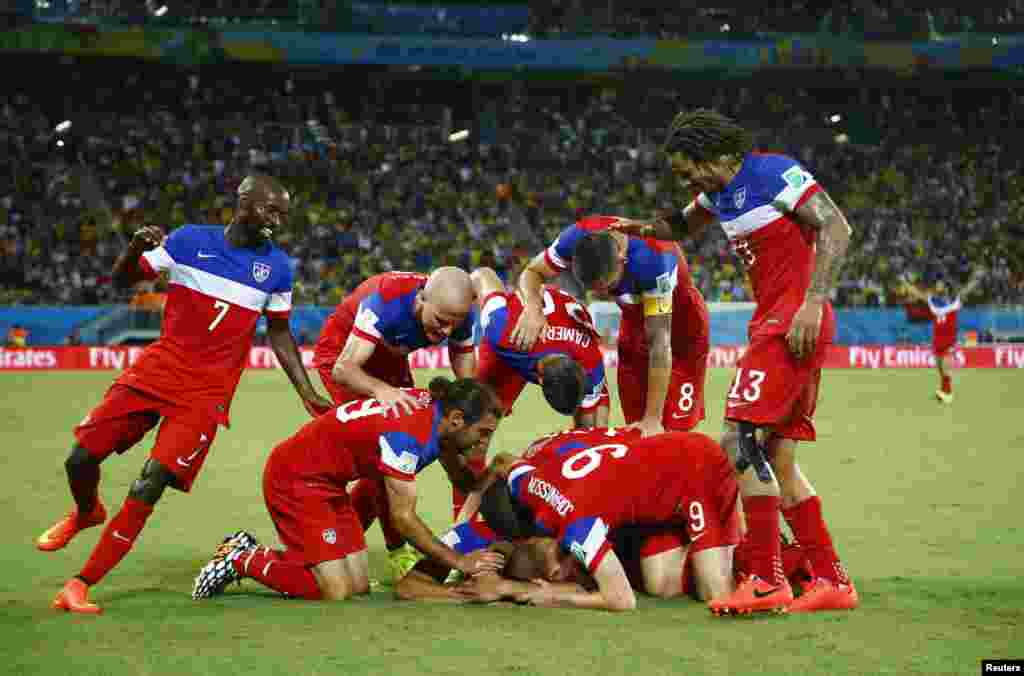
151 483
664 586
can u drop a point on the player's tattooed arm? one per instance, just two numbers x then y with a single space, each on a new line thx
832 237
282 341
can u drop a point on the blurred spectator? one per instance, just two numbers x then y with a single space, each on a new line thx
17 336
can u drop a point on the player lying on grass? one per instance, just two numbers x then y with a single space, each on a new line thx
363 351
221 280
579 487
304 487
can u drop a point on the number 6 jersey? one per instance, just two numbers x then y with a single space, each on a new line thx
579 487
215 296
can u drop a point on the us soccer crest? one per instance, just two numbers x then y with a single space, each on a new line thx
740 197
260 272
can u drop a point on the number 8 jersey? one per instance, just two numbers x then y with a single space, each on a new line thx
216 294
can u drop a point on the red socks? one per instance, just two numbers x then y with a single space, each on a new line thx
269 568
947 384
117 540
811 533
369 499
763 554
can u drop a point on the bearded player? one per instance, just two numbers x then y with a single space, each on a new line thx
945 309
363 351
305 490
792 239
221 280
663 340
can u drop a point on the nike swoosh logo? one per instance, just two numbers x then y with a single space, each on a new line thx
761 594
121 537
678 416
202 255
185 462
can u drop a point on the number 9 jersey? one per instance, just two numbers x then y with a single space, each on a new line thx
216 294
579 487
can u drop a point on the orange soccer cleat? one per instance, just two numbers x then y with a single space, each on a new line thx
754 595
822 594
74 598
60 534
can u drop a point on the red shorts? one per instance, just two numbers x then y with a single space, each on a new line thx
771 387
315 522
684 404
124 417
384 365
506 382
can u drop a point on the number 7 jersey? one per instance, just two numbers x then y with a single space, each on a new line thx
216 294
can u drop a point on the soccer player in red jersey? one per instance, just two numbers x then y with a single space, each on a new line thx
304 486
566 360
792 239
364 346
663 340
221 280
577 493
945 309
363 351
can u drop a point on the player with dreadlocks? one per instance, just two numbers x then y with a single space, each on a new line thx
792 238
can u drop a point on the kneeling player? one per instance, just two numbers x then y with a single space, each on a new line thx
304 486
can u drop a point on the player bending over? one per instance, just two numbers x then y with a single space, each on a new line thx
792 239
663 342
363 351
221 280
304 487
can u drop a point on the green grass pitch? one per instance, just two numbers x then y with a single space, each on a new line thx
923 501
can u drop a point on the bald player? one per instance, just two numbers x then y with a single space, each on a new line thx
363 352
221 281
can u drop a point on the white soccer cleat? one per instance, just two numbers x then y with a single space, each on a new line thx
216 575
944 397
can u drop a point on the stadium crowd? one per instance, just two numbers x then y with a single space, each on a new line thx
932 186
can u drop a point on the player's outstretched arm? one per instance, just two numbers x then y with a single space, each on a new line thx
613 590
402 507
425 582
669 224
658 329
531 321
127 272
832 237
283 343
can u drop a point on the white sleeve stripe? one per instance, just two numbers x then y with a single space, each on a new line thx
366 321
595 538
159 259
556 259
789 195
280 302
